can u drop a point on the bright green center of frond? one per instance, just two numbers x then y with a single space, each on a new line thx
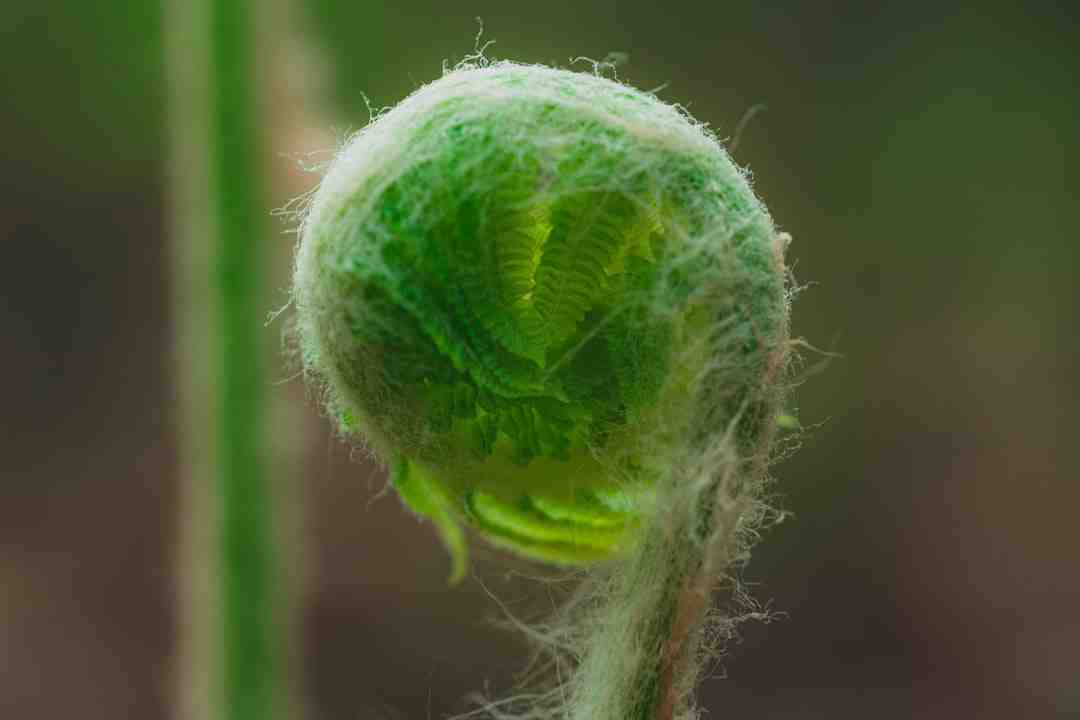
499 300
513 318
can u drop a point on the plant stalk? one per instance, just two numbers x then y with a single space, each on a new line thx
218 213
643 652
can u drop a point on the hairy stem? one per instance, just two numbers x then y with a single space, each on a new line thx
640 661
643 655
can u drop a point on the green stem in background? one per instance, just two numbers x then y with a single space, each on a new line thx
245 535
232 660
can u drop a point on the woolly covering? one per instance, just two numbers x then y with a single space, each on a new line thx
553 304
531 291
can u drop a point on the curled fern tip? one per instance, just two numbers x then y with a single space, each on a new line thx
532 292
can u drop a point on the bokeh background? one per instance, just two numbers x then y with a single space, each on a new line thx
923 156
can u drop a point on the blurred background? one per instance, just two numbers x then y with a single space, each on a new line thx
923 157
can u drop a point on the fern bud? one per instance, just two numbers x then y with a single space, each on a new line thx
532 290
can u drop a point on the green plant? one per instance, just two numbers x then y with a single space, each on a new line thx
553 304
231 653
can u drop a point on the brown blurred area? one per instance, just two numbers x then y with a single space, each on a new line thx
924 159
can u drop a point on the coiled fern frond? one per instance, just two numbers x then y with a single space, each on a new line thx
554 306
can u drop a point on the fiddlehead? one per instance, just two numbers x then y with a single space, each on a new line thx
554 305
